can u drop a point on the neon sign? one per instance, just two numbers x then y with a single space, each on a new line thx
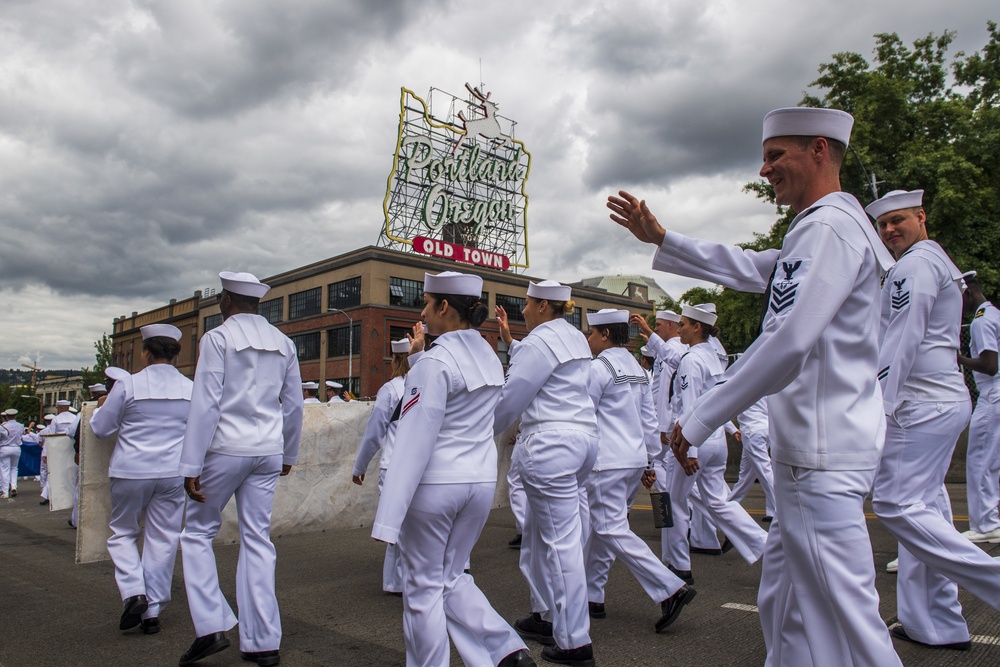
459 182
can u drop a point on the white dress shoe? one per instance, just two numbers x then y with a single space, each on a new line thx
993 537
892 566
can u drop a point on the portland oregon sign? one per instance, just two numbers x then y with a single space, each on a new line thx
457 186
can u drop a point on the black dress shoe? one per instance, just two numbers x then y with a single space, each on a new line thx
262 658
151 625
582 656
516 542
518 659
672 606
597 610
766 519
204 646
534 628
132 610
727 546
705 551
44 502
898 632
13 493
683 575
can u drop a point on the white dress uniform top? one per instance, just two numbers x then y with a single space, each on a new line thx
437 497
982 462
380 433
698 372
547 386
816 360
245 423
755 463
149 410
927 407
627 443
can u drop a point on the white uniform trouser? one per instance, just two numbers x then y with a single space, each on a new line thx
747 537
252 479
162 502
909 499
43 474
610 537
982 464
518 501
553 466
755 464
442 525
392 566
9 456
700 527
74 515
817 599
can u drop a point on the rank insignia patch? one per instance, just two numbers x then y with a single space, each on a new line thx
899 298
785 287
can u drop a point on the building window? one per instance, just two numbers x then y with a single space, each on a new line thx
574 318
345 294
211 322
513 305
406 293
272 310
338 342
306 346
304 304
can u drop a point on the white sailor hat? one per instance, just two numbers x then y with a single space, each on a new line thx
10 412
63 403
965 276
707 307
97 388
550 290
116 373
73 410
401 346
49 417
607 316
334 385
645 351
310 385
808 122
894 201
165 330
699 315
243 283
668 316
453 282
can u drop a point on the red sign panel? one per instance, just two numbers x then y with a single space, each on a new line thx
460 253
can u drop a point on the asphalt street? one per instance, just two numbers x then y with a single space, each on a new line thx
333 611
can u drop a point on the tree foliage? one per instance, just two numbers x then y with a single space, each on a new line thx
104 350
920 122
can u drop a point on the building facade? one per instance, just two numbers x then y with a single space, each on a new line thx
342 313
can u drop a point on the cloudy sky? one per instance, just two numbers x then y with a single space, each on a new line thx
144 146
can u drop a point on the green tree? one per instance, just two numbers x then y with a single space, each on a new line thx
920 121
104 350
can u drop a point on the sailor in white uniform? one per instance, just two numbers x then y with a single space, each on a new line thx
755 462
380 433
242 433
149 410
439 487
58 425
11 432
333 389
310 393
817 361
628 443
982 461
43 468
547 387
697 373
927 407
663 342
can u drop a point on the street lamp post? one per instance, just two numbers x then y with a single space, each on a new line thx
350 345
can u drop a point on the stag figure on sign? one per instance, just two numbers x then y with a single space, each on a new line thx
488 127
